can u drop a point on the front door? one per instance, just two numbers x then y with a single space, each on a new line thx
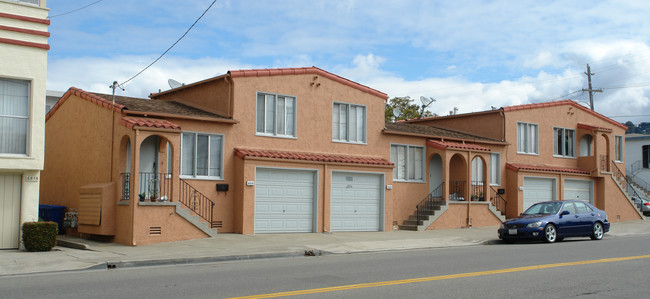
435 173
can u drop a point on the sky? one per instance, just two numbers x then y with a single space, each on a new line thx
473 55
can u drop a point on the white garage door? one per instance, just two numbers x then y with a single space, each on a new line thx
538 189
578 190
9 210
284 201
356 202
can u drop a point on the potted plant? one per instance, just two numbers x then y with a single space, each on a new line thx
141 196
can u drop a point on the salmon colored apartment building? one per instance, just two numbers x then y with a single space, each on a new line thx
304 150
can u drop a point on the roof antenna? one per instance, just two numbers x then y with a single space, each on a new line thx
425 103
114 86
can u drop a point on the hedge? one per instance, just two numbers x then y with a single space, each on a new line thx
40 236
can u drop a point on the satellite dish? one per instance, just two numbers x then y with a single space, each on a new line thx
426 101
174 84
397 112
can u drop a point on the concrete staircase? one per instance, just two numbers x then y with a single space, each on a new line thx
428 214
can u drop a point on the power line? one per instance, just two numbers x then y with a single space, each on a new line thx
163 54
78 9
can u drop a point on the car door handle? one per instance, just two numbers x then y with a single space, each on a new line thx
576 216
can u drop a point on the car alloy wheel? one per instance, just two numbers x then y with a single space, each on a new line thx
550 233
597 232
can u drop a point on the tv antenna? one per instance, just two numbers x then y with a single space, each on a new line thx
174 84
426 101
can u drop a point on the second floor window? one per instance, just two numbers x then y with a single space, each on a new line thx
14 116
409 162
564 141
349 123
495 169
202 155
276 115
527 138
618 148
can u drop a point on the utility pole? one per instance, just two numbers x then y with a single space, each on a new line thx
590 90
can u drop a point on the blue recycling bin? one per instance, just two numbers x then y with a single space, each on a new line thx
52 213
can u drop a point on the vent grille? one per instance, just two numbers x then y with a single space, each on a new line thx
217 224
155 230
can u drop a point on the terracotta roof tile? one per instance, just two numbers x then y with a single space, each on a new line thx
563 102
306 70
131 122
456 145
592 127
157 106
545 168
88 96
316 157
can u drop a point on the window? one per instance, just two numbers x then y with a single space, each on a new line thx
202 155
409 162
564 142
582 208
495 169
619 148
349 123
646 156
14 116
276 115
527 138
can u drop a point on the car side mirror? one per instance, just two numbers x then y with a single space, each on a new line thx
565 213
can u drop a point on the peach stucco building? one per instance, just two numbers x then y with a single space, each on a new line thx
304 150
23 69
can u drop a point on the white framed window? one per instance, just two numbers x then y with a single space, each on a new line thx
276 115
15 101
202 155
527 138
349 123
495 169
564 142
618 148
409 162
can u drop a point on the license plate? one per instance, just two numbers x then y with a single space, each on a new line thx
512 231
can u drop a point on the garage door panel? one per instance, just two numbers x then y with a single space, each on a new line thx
356 202
284 200
578 190
538 189
10 188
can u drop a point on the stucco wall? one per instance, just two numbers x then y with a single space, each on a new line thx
617 206
486 124
213 95
172 226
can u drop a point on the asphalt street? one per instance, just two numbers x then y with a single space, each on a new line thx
611 268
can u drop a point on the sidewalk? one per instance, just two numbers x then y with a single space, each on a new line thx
88 254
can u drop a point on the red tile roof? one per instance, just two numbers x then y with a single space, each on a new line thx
564 102
592 127
306 70
315 157
86 96
456 145
131 122
518 167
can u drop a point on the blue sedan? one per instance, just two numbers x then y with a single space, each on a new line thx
554 220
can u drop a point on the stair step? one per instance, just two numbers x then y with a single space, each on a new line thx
422 217
408 227
413 222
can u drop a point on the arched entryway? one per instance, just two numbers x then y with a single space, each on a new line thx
155 169
605 157
435 175
458 178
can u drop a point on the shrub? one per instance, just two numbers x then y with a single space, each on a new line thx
40 236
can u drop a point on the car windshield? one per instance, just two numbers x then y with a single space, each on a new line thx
544 208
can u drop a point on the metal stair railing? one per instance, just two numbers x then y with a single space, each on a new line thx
197 202
498 201
427 203
620 175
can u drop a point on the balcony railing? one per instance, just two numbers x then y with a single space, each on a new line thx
457 190
155 186
125 179
476 192
497 200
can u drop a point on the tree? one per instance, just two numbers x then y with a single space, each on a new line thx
409 110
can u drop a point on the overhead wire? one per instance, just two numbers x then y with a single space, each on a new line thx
172 46
75 10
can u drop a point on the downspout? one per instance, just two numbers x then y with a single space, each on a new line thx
469 189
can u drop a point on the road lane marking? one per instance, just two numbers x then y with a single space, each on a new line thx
441 277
